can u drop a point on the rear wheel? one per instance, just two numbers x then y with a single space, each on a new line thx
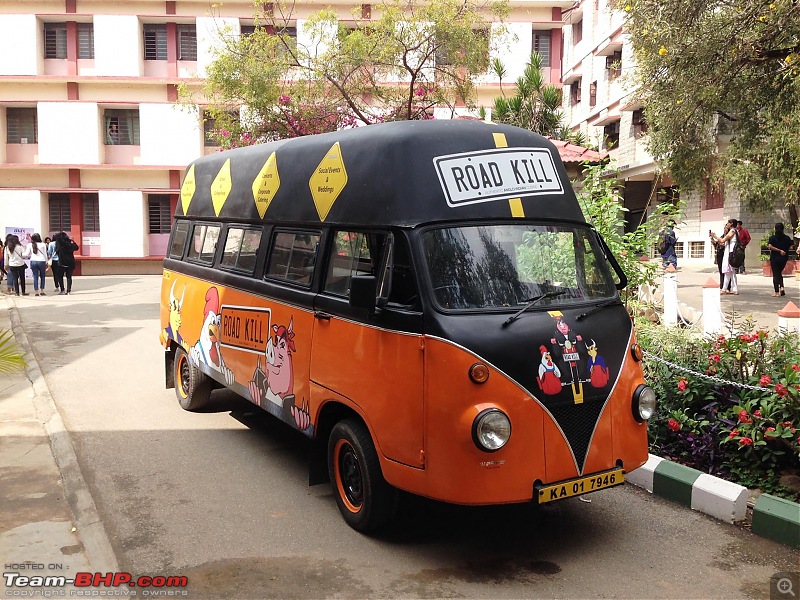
192 387
367 502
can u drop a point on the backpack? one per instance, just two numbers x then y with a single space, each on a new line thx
663 244
736 257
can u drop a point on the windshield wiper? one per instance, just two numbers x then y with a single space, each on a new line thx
530 302
597 307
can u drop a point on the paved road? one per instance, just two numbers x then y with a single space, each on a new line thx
222 497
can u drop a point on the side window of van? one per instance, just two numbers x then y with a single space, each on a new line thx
352 255
241 249
179 239
204 243
293 255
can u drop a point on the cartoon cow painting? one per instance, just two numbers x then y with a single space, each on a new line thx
172 330
207 350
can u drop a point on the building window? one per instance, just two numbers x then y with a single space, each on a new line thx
122 127
55 40
714 196
593 94
611 135
541 44
614 65
246 30
159 213
85 40
679 250
575 92
577 32
155 42
697 249
639 123
60 216
209 129
187 42
91 212
21 126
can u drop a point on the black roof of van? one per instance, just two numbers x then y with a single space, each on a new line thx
401 173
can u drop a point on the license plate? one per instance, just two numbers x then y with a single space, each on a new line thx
579 486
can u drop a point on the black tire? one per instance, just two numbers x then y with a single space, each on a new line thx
367 502
192 386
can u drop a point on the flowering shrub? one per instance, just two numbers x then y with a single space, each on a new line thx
709 420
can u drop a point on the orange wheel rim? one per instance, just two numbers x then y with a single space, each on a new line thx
349 478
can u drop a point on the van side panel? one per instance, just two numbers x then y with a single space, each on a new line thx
381 372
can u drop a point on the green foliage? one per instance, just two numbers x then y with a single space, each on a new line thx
748 436
11 358
719 68
431 52
602 203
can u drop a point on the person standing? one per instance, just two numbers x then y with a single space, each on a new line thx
779 246
728 239
744 239
38 254
719 251
55 267
65 247
15 259
666 245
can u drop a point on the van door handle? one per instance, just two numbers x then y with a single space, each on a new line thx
323 316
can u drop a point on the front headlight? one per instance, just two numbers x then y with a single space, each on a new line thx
491 430
644 403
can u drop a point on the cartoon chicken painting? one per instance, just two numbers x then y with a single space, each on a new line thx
549 375
207 350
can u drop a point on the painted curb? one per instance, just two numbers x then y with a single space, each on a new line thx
773 518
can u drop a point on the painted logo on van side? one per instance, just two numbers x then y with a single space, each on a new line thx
501 174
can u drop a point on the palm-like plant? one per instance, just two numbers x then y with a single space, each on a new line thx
11 358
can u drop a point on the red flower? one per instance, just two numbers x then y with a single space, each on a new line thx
745 441
795 368
787 423
733 433
742 416
757 413
765 380
674 425
770 431
781 390
715 358
682 385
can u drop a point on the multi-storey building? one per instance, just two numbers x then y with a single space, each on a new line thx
92 139
599 100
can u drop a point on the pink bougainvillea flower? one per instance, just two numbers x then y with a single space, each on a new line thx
682 384
674 425
745 441
781 390
765 380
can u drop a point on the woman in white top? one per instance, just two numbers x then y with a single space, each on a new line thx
38 254
729 240
15 260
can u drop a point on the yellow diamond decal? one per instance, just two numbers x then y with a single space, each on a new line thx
221 187
266 185
187 189
328 181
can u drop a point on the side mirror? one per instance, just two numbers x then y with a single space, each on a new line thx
362 291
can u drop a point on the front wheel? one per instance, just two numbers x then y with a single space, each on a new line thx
367 502
192 387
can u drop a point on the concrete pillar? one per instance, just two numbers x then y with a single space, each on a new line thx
789 319
670 287
712 307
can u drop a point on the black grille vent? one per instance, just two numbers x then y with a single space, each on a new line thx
578 422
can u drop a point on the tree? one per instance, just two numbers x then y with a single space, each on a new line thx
430 52
704 67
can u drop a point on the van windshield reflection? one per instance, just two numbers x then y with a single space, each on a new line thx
497 266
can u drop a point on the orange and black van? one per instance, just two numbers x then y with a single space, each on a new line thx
424 300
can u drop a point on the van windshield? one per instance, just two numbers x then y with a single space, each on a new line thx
496 266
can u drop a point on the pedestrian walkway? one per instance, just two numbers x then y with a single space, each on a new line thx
41 531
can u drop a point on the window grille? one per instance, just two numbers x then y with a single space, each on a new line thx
55 40
541 44
60 215
639 123
697 249
187 42
122 127
614 65
593 94
85 40
91 212
679 249
159 213
21 127
575 92
155 42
